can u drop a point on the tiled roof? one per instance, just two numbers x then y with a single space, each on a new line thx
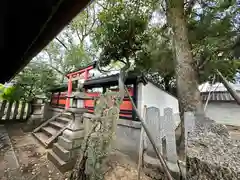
217 96
218 92
219 87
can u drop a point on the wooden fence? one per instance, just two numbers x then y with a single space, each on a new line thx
16 110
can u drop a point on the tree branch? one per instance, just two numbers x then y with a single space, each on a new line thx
54 68
78 35
62 43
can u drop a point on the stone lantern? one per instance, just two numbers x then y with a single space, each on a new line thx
68 145
77 112
37 113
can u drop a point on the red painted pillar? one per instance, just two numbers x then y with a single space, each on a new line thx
86 74
69 92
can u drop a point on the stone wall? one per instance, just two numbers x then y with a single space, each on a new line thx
128 137
211 154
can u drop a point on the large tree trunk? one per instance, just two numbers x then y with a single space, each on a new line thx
187 87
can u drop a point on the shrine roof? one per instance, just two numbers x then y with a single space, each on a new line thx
110 80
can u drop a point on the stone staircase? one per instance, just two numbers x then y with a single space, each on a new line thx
48 132
64 136
65 151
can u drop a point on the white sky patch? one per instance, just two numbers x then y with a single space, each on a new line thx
158 19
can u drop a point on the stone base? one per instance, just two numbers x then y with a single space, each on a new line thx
64 153
59 163
173 167
72 135
69 144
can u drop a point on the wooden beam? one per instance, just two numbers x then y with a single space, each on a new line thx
228 86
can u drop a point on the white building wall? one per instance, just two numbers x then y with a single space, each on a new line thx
150 95
224 112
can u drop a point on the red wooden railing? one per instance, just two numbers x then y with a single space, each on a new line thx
59 100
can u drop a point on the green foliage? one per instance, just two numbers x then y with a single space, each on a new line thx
121 30
35 79
212 34
76 57
11 93
125 33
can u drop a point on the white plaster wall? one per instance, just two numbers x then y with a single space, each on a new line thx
224 112
150 95
140 104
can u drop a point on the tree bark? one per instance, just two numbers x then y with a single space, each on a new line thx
187 86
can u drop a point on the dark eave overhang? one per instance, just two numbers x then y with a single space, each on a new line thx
26 27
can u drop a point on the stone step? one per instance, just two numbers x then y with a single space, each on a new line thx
61 152
41 137
63 119
49 130
67 115
59 163
65 143
57 124
66 155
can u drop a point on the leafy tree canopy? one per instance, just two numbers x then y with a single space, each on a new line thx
121 30
35 79
125 35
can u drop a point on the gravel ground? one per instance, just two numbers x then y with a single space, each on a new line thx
213 152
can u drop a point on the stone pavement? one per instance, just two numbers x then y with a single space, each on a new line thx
8 158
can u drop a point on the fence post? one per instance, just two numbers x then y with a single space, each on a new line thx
9 110
28 110
22 110
3 106
169 126
15 112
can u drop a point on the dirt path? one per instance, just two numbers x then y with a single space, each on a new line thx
31 156
7 155
32 163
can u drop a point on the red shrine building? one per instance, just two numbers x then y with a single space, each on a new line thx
143 91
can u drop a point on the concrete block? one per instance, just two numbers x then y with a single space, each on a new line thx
59 163
65 155
69 144
71 135
61 152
